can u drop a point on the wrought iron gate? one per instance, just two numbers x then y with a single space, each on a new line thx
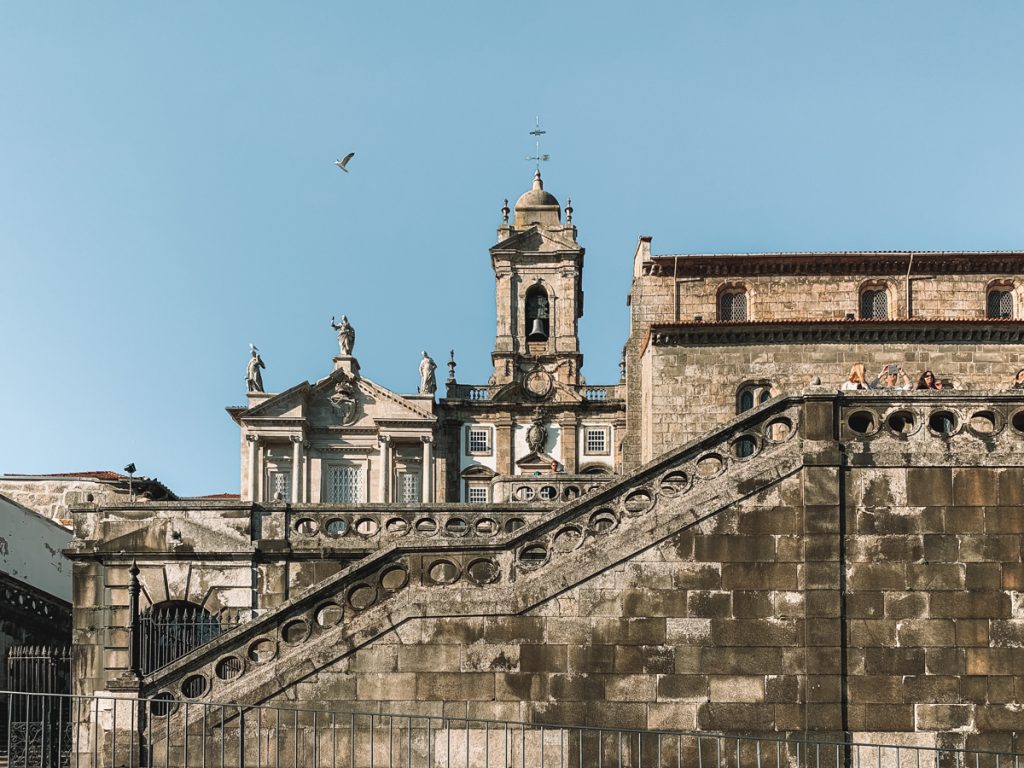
37 729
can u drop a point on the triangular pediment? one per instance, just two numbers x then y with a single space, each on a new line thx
282 405
536 461
537 240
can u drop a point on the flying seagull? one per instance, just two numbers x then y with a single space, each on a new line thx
344 161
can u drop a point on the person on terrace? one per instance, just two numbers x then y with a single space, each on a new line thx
856 378
889 378
926 381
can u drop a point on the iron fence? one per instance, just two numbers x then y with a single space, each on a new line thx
112 731
166 633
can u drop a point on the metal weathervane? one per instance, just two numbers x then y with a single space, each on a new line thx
538 157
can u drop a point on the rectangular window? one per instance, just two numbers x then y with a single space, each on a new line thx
279 486
409 488
479 441
595 440
344 485
477 494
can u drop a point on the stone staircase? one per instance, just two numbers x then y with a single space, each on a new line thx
510 575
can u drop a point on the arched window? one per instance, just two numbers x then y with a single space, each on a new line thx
1000 302
874 303
732 304
173 629
538 314
752 393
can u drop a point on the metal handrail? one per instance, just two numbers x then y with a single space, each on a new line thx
102 730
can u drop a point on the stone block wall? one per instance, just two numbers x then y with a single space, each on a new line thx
694 387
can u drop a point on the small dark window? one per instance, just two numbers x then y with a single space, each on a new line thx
1000 303
732 306
874 304
752 394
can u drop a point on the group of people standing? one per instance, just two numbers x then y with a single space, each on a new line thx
892 376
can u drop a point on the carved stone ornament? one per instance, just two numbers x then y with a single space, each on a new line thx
537 434
344 401
538 383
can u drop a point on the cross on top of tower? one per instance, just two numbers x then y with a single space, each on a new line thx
537 157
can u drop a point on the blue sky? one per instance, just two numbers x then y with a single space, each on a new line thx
167 193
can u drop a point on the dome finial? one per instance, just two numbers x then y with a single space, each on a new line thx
538 182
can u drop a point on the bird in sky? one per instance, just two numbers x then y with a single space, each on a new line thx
344 161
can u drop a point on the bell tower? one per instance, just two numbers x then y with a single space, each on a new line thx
538 270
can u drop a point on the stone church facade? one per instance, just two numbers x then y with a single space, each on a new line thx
724 540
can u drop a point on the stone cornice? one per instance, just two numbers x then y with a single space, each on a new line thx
837 263
839 332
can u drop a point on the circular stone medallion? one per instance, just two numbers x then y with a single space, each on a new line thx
538 383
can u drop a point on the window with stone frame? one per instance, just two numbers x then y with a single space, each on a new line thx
596 441
478 441
279 485
409 487
343 484
752 394
732 305
1000 302
477 493
874 304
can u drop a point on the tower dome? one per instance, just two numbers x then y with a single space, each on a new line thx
537 206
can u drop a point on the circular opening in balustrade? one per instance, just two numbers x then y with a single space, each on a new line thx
567 539
902 423
571 492
336 528
485 526
366 526
862 422
984 422
533 556
263 650
778 430
524 493
394 578
709 465
426 526
162 705
456 526
674 483
942 422
306 526
483 571
514 524
638 502
443 572
295 631
329 615
397 526
229 668
603 521
744 447
193 686
362 596
547 493
1017 421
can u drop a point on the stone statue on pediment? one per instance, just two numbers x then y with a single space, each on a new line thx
346 335
253 377
428 380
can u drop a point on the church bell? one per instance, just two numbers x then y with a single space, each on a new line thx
538 332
